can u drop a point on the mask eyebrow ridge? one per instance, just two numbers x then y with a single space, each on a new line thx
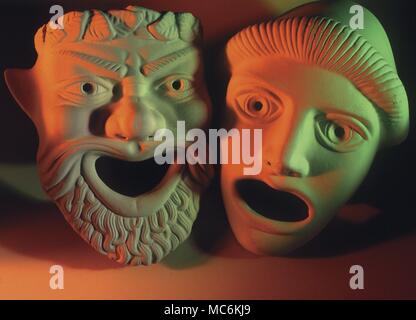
157 64
108 65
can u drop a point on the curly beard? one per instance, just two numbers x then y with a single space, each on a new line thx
128 240
136 240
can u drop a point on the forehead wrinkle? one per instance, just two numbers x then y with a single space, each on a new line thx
154 66
117 68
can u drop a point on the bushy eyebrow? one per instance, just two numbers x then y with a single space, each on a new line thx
158 64
119 69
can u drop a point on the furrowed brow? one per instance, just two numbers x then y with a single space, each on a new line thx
158 64
119 69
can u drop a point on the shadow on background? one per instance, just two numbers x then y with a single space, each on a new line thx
38 230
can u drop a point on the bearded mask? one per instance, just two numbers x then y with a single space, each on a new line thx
326 98
100 89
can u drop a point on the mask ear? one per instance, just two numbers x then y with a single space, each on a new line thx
22 86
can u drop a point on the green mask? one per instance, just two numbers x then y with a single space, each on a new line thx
99 91
326 98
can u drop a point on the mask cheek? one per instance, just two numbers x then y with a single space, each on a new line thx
230 174
333 188
196 113
65 123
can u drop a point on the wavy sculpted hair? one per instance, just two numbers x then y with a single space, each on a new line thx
335 47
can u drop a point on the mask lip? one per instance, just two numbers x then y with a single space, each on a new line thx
130 206
267 225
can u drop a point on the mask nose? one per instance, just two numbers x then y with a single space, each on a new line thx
290 156
133 120
293 165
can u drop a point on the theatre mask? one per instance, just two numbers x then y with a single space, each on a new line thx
101 88
327 97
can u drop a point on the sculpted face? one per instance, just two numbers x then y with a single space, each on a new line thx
326 99
97 100
316 125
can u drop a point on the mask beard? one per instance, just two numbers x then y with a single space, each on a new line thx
128 240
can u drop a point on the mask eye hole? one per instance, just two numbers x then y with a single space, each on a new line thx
178 84
85 91
177 87
88 88
259 107
341 134
91 89
256 106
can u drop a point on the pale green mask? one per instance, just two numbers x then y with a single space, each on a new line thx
326 99
98 93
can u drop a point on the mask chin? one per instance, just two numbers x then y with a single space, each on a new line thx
271 203
130 178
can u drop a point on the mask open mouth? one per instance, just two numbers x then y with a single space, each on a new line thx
130 178
271 203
